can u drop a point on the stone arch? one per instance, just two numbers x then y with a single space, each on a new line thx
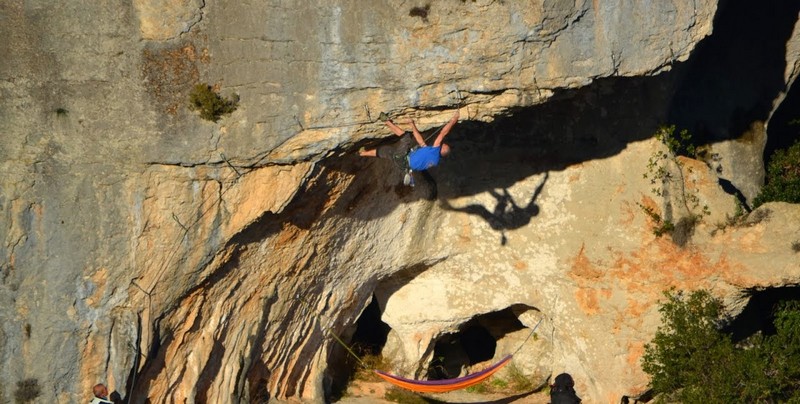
482 339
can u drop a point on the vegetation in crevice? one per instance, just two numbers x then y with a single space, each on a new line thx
783 177
667 173
209 104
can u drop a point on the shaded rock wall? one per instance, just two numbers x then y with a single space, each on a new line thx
173 258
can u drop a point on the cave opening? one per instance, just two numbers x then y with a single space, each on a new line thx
475 342
371 333
784 125
367 342
759 313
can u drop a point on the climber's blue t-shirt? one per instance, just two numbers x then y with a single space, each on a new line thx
424 158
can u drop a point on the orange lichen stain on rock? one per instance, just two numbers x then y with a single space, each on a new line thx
630 316
520 265
691 265
699 174
339 183
663 264
170 72
641 271
465 234
636 308
582 268
635 352
612 396
587 300
650 204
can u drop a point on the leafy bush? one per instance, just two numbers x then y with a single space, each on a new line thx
209 104
27 391
783 177
690 360
666 172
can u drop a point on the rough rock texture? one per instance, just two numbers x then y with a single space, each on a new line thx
589 262
176 259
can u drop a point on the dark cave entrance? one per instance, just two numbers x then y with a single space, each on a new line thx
367 342
371 332
759 314
784 125
453 352
475 342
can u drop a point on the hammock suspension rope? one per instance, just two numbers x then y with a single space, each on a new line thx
443 385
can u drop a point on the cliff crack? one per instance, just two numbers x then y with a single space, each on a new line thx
191 24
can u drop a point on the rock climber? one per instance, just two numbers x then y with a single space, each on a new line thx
411 152
100 392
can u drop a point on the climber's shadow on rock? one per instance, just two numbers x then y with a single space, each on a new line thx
506 215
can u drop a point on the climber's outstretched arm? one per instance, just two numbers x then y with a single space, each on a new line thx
446 130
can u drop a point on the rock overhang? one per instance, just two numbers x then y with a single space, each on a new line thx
366 211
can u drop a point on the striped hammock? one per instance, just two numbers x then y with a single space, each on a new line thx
443 386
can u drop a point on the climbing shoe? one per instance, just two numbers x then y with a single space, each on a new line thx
383 117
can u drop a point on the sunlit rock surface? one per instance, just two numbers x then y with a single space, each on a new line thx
177 259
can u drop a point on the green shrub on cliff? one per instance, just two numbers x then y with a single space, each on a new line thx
691 361
667 172
209 104
783 177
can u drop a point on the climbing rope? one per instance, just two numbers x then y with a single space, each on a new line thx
528 337
458 106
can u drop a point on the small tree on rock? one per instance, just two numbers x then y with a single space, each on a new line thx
210 104
783 177
691 361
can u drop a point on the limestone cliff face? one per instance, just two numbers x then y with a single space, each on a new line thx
176 259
